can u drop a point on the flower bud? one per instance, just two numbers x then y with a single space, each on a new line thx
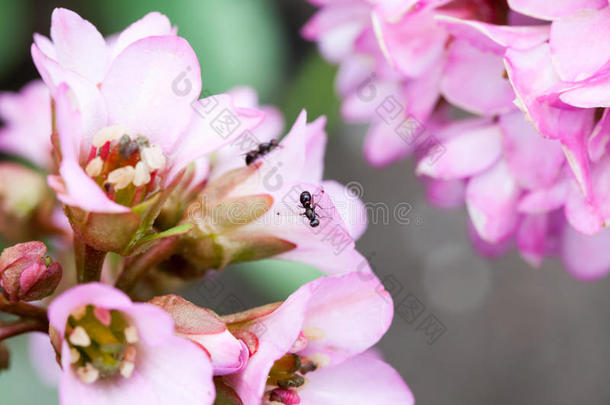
26 273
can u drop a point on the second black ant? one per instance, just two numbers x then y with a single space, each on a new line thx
262 150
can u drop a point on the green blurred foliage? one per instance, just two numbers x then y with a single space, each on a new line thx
14 29
313 88
275 279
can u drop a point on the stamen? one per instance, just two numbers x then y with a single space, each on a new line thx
108 134
94 167
131 334
79 337
74 356
320 359
103 315
141 176
121 177
88 374
153 157
126 368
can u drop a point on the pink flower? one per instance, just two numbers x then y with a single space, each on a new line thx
312 348
204 328
127 123
116 351
26 273
27 130
253 200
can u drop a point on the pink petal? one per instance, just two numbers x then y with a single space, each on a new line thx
152 24
87 95
494 38
336 27
592 93
574 61
491 250
350 207
534 161
345 316
544 200
215 122
228 354
532 75
599 137
78 45
470 147
532 238
590 214
414 44
27 128
177 371
276 334
150 86
466 68
362 380
491 199
445 193
586 257
560 8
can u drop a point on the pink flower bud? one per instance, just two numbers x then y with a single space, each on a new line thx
26 274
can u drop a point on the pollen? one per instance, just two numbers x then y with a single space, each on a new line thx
122 177
108 134
79 337
94 167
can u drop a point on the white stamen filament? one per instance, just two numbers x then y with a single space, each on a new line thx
121 177
108 134
94 167
153 157
79 337
126 368
141 176
131 334
88 374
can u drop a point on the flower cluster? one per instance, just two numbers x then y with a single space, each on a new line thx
158 188
502 105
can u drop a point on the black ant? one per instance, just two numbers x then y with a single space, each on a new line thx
310 210
262 150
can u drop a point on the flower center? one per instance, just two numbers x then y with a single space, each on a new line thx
286 377
124 167
102 343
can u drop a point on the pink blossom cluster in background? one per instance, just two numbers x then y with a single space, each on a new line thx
503 104
140 187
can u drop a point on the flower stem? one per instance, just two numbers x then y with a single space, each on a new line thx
89 262
15 328
23 309
136 267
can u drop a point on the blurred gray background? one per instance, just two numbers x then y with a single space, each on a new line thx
509 334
